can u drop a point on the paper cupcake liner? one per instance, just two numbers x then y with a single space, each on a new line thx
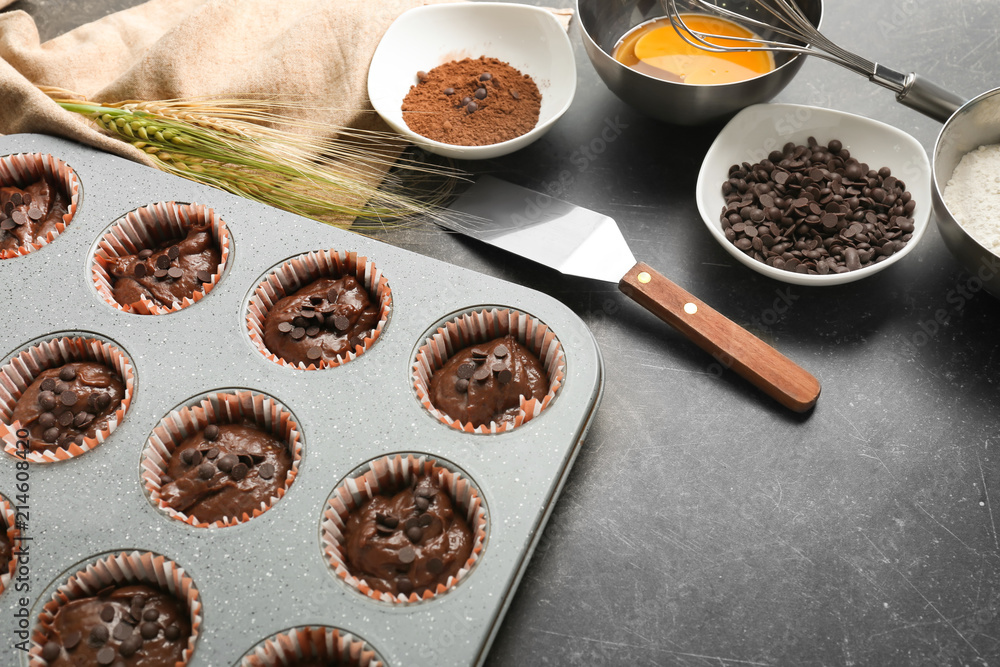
13 534
24 367
23 169
387 474
221 407
146 227
120 569
300 271
480 327
288 648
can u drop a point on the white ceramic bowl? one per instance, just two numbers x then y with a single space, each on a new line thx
530 39
760 129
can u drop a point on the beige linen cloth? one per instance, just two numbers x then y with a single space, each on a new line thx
316 51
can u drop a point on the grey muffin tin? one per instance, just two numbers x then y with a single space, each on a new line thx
269 574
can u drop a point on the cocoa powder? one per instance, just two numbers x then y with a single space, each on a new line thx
472 102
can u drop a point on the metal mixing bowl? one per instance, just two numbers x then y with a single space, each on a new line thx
604 22
976 123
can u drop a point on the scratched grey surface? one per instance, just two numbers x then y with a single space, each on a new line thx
701 525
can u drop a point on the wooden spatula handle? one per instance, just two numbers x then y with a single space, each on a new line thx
730 344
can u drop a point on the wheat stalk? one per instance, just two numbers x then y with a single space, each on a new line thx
234 145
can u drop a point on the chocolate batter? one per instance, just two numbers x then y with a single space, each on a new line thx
6 548
175 269
323 320
408 542
66 404
29 215
483 383
224 471
135 626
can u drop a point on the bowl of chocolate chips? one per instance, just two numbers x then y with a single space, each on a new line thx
473 80
814 196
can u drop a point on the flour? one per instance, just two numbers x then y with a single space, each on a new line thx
973 195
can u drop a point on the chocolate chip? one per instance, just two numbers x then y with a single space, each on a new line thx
106 655
67 374
138 601
51 651
82 419
172 633
211 432
149 630
163 262
285 327
516 95
485 76
173 252
160 274
481 374
298 333
357 341
47 400
466 100
426 520
145 253
415 533
16 199
312 331
386 520
227 462
211 452
266 471
130 646
139 270
46 420
421 504
461 385
404 585
175 272
66 418
465 370
448 91
435 566
500 351
471 107
332 296
504 376
191 457
341 323
421 76
35 213
98 635
204 276
26 198
71 640
480 93
50 435
407 555
206 471
67 398
238 472
150 614
19 217
122 631
103 401
7 224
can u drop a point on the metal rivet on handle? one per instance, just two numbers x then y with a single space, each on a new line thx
690 308
644 277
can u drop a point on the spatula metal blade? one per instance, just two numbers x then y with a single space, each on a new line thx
570 239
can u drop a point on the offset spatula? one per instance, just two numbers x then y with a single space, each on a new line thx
580 242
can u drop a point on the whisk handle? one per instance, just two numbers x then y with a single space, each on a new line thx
929 98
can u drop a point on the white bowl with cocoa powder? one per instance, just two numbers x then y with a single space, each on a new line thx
756 131
529 39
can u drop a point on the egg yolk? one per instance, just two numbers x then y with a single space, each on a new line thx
655 48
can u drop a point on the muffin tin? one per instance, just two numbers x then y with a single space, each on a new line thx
268 575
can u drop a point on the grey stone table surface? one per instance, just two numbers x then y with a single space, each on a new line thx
702 524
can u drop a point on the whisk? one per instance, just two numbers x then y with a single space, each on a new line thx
790 22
